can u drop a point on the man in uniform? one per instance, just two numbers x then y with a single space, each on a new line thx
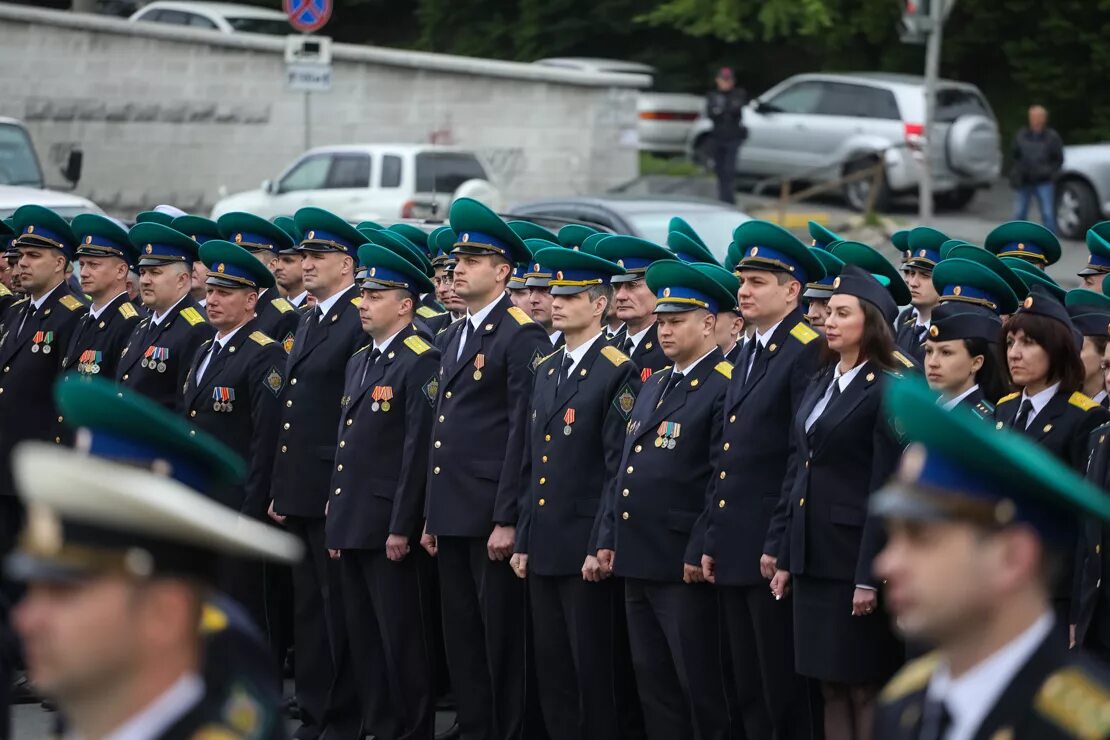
1098 264
649 534
232 390
106 255
972 500
537 278
634 301
328 334
919 259
581 402
276 316
1026 241
375 512
200 230
7 268
156 359
476 476
754 474
818 292
289 274
119 552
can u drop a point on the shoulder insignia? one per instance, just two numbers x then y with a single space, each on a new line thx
417 345
363 348
724 368
282 305
431 390
519 315
70 302
127 310
1010 397
1084 402
287 343
645 374
356 300
20 301
614 355
545 358
212 619
274 380
192 315
427 312
216 732
803 333
984 409
914 676
4 290
903 359
1075 701
624 401
537 358
242 712
261 338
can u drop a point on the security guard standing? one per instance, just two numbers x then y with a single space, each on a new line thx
649 534
156 360
375 514
634 301
970 499
277 317
476 478
581 403
919 259
745 515
106 255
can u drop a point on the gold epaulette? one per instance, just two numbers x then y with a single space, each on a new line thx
903 359
1076 701
614 355
261 338
1010 397
518 314
1084 402
127 311
70 302
914 676
356 300
724 368
192 315
282 305
803 333
417 345
428 312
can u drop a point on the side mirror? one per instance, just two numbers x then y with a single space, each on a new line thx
268 187
763 108
72 170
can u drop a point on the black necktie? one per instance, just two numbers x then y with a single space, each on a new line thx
756 352
213 353
1021 421
564 374
463 338
672 381
921 332
371 358
935 721
29 316
629 346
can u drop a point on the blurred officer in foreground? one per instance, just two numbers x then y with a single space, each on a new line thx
157 356
375 512
972 500
118 555
582 400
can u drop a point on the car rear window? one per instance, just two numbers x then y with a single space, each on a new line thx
273 27
953 102
858 101
443 172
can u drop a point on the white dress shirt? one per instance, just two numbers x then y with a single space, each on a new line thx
388 341
161 713
951 403
553 337
763 339
95 311
638 336
1099 397
475 320
1039 401
220 342
579 352
298 300
157 319
844 380
689 368
325 306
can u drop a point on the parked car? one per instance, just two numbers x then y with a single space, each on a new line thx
645 217
371 182
1083 189
663 120
225 17
820 127
22 181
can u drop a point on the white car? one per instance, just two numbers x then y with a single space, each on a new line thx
371 182
663 120
225 17
21 178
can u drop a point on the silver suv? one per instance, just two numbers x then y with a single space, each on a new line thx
819 127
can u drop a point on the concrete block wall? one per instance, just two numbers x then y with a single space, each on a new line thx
172 115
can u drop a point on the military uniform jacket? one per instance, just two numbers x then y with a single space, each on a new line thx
97 343
1053 695
1063 426
848 453
156 359
477 458
381 465
648 355
978 404
670 451
277 318
907 337
236 400
311 406
7 298
758 452
573 450
29 363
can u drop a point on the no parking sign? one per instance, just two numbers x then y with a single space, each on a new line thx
307 15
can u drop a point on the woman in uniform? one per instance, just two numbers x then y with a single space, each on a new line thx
843 638
1090 314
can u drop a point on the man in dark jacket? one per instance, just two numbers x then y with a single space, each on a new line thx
1038 156
725 107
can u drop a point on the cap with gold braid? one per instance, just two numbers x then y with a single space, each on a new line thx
1024 240
162 245
573 271
197 228
129 499
232 266
254 233
40 227
679 286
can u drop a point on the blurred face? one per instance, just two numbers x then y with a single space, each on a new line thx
1038 118
442 281
288 274
40 269
200 273
478 277
633 300
384 312
132 285
228 308
1027 360
1106 369
763 300
683 336
325 273
539 306
577 313
5 274
724 84
1092 362
922 292
728 327
949 367
162 286
816 312
1093 282
103 277
844 324
522 300
13 273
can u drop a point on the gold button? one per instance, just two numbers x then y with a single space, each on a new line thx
732 419
441 419
338 491
1 390
625 493
57 440
726 447
544 458
807 463
125 376
624 516
288 404
542 502
284 448
293 381
723 475
802 502
542 481
339 467
721 504
350 422
639 448
192 432
438 444
60 420
547 438
629 470
448 394
7 368
286 426
191 413
435 470
343 444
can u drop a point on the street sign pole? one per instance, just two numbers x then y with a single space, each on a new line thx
938 12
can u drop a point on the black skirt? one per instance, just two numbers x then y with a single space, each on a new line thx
833 646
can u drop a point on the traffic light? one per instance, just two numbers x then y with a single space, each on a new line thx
916 21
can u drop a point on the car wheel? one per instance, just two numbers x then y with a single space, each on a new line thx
1076 208
858 192
703 152
955 200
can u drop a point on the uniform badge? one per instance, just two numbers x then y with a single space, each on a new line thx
431 390
381 395
625 400
537 358
287 343
568 419
479 363
645 374
223 399
274 381
42 341
668 432
89 362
